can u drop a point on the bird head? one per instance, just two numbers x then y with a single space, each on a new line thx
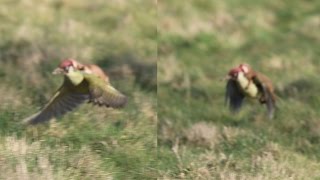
233 73
64 67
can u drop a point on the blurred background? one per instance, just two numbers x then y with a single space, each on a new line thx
199 41
90 142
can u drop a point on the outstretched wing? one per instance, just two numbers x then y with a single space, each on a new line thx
65 99
270 105
267 95
104 94
234 97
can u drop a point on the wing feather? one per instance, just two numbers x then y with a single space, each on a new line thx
268 97
64 100
104 94
234 97
107 96
270 103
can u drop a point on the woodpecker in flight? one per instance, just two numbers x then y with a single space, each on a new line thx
243 82
81 83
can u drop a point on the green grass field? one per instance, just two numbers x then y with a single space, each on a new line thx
198 43
90 142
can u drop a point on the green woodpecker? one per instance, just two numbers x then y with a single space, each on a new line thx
244 82
78 87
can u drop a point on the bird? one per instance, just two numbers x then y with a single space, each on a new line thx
243 82
78 87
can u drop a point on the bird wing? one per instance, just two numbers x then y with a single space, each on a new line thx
234 97
104 94
270 103
265 86
65 99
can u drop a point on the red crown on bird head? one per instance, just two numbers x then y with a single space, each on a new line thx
66 63
234 71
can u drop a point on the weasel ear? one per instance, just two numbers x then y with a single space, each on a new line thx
78 65
244 68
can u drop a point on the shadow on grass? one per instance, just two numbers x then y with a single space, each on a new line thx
144 74
301 89
22 52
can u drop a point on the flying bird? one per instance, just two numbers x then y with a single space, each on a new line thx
243 82
78 86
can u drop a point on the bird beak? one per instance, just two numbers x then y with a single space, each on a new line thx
58 71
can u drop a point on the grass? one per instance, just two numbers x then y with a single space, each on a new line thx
199 41
91 142
168 57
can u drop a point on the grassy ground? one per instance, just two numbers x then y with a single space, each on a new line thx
91 142
198 42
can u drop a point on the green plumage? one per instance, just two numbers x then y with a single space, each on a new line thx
103 93
76 88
